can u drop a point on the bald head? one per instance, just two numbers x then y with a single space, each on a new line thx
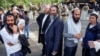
76 10
46 9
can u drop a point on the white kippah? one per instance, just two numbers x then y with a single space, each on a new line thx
76 9
94 12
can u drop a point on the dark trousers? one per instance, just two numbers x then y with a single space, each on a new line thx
19 53
70 51
43 49
98 53
94 53
86 51
43 43
49 52
49 49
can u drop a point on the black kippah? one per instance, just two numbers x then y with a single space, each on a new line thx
8 14
1 9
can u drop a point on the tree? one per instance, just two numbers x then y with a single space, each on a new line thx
6 3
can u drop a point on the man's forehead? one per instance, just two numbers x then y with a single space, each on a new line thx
77 10
53 8
47 6
10 16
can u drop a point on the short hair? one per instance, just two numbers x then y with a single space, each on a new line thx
1 9
20 7
94 14
56 8
9 14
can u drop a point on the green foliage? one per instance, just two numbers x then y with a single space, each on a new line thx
6 3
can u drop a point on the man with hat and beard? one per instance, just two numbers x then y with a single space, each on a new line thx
72 32
53 33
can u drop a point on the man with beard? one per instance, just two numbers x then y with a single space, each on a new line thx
10 34
72 32
53 34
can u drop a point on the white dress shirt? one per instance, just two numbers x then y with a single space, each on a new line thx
43 21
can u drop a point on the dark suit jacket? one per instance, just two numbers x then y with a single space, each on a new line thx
92 50
39 21
25 44
94 53
53 37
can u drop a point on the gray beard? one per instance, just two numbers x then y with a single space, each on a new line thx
52 17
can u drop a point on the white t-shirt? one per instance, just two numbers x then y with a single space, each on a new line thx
10 38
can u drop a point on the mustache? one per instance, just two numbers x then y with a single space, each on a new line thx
10 24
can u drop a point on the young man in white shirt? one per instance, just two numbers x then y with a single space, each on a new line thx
10 34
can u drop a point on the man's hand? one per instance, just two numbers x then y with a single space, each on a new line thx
91 44
10 44
54 53
14 28
98 40
78 36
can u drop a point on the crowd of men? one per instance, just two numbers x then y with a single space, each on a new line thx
66 8
56 22
52 30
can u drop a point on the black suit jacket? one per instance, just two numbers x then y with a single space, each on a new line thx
46 23
25 44
53 37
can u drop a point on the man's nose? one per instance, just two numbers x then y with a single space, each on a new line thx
10 21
